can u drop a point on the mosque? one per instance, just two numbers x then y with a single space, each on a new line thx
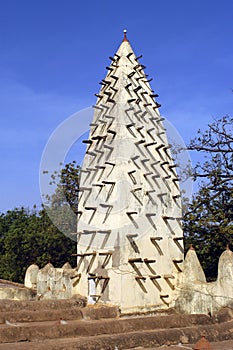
129 232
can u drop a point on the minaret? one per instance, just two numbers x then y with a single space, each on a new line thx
130 239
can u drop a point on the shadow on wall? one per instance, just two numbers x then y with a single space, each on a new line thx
195 295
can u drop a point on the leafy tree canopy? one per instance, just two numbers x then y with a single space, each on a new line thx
28 237
208 222
62 204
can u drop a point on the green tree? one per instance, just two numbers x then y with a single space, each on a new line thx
62 204
66 186
28 237
208 222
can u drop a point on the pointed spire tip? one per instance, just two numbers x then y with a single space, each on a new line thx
125 37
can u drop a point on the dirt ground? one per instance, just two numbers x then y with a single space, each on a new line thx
224 345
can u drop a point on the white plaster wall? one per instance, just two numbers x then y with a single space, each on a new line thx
195 295
30 280
129 191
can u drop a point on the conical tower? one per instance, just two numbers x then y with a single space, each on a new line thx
130 240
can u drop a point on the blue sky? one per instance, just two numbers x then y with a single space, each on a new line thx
53 53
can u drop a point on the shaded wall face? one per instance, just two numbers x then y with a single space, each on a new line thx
198 296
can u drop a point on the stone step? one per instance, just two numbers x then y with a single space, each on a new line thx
31 331
69 313
127 340
38 305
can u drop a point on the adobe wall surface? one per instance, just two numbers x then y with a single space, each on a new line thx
195 295
15 291
52 283
129 234
191 294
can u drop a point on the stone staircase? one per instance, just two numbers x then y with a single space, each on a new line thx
70 324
